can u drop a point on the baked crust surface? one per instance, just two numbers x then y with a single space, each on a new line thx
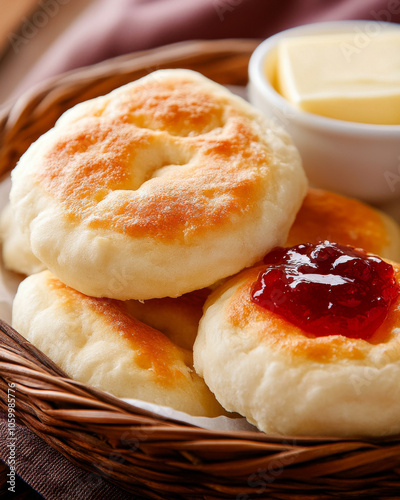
159 188
99 342
286 381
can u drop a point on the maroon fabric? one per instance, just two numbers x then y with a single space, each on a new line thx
113 27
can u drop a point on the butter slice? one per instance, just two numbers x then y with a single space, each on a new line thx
347 76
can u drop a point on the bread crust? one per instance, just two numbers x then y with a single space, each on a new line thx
162 187
330 216
288 382
100 343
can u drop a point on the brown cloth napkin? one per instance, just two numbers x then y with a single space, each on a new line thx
113 27
50 473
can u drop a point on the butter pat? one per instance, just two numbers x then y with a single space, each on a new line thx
337 76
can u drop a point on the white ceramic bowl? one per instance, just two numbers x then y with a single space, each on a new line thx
355 159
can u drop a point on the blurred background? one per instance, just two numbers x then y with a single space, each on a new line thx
41 38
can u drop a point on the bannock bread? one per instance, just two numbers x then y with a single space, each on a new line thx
97 342
287 380
162 187
330 216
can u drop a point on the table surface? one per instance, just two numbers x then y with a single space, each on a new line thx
26 32
11 15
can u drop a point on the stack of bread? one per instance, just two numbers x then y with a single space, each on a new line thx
141 220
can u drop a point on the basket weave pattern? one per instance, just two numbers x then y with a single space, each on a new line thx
152 456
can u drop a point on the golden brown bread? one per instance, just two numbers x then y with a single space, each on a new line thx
178 318
159 188
98 342
287 381
329 216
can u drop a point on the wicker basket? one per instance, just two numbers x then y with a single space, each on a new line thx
144 453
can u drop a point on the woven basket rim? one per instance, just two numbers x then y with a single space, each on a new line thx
15 111
81 418
87 425
19 352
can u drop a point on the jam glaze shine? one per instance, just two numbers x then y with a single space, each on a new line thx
327 289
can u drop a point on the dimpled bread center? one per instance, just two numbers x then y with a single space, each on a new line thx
156 150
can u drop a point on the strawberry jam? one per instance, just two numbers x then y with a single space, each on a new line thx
327 289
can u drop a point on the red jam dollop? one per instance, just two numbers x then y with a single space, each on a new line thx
327 289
